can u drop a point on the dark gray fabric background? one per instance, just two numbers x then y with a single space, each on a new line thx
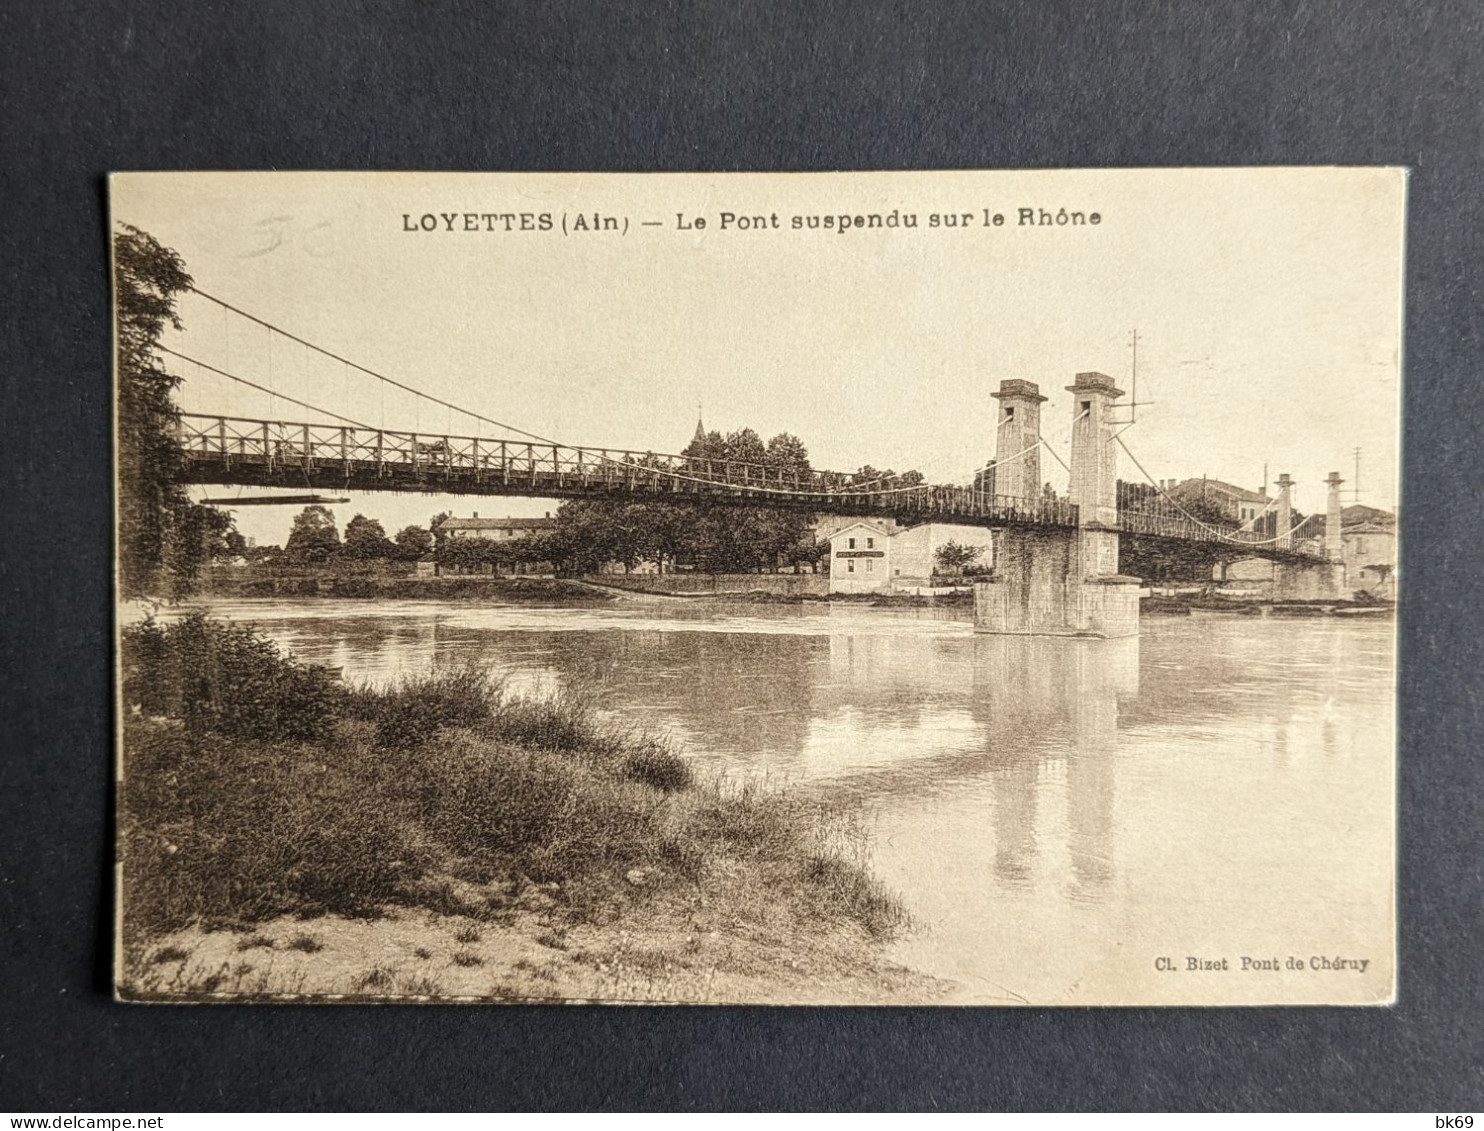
86 87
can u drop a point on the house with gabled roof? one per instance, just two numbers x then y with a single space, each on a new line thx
860 558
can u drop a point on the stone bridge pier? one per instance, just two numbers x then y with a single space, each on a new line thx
1059 582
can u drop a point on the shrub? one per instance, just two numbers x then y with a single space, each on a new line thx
563 723
480 799
655 764
415 709
225 678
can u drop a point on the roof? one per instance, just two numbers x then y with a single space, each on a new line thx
872 527
1221 487
1369 528
497 524
1357 513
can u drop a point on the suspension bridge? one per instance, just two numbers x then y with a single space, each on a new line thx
1056 563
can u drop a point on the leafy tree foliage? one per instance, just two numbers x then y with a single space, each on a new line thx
710 538
314 539
955 557
163 538
787 452
888 479
366 540
413 542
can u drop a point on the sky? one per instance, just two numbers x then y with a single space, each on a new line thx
1267 305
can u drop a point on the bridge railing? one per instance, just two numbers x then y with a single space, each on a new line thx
275 443
273 448
281 446
1150 518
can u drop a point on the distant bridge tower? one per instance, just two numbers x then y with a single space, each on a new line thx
1334 545
1285 512
1313 581
1064 582
1017 448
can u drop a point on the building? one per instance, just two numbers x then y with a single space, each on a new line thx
1236 503
826 526
860 558
494 529
878 557
914 552
1368 537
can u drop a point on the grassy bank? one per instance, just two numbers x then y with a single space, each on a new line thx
281 834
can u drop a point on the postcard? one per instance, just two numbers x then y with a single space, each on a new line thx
823 588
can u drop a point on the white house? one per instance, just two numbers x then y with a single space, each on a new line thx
860 559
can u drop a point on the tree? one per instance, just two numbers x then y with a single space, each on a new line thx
413 542
156 525
705 446
1209 512
366 540
435 527
955 557
787 453
313 539
746 446
201 534
868 476
466 555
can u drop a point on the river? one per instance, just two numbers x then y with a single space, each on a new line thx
1059 815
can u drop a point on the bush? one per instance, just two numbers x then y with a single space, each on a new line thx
485 801
225 678
657 765
561 723
412 711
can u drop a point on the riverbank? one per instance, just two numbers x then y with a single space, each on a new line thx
377 588
770 589
286 837
1184 606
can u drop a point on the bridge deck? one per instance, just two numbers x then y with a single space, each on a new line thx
265 453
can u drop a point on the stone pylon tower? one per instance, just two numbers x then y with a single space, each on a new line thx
1062 582
1017 448
1284 511
1094 481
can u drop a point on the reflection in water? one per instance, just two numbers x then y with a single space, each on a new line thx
1217 782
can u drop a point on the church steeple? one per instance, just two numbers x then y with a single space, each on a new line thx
700 436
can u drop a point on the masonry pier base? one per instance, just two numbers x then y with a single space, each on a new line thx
1041 588
1310 581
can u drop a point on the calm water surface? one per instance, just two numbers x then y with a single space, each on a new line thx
1057 813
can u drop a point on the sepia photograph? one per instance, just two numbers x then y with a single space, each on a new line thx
894 588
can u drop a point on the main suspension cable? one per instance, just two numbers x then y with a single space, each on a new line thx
260 388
